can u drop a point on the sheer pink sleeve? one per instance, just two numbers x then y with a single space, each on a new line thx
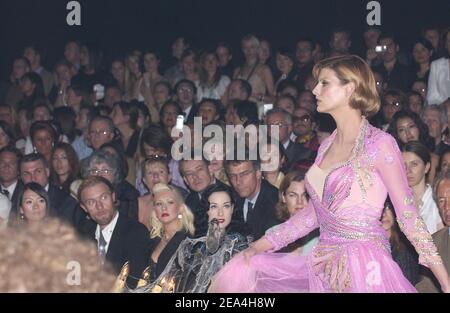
299 225
390 166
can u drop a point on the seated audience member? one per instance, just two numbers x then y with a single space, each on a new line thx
197 260
286 102
272 161
304 129
5 209
212 83
43 138
101 131
168 114
6 135
418 162
65 167
209 110
171 222
441 191
124 116
33 205
10 183
436 119
402 251
292 196
439 80
119 238
415 102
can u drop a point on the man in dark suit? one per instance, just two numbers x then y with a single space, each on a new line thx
428 282
255 209
119 238
197 176
10 185
34 168
186 93
294 152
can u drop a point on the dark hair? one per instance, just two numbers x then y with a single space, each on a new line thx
74 164
35 79
65 118
427 44
419 149
216 187
32 157
130 109
166 104
324 122
38 189
424 136
156 137
387 36
8 131
248 110
12 149
41 105
285 84
236 160
186 81
95 56
165 84
286 52
203 75
43 125
282 212
103 118
309 40
217 105
245 86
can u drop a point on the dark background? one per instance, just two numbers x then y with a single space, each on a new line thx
122 25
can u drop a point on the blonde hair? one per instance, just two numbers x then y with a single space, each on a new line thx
254 40
353 69
186 223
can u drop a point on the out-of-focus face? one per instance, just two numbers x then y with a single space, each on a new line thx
279 120
289 91
60 162
330 92
270 158
220 208
4 139
302 122
33 206
390 54
169 116
6 116
310 83
63 73
416 169
152 151
286 104
160 94
30 54
155 173
27 87
387 219
98 201
211 63
249 49
421 88
304 52
415 103
391 105
224 56
8 167
307 100
432 36
72 99
371 38
264 51
215 156
34 171
19 69
99 134
433 121
112 95
151 62
84 56
41 113
379 82
103 170
244 179
185 94
188 64
81 121
295 197
43 142
421 54
407 130
207 111
284 63
167 207
133 64
443 200
72 52
340 42
235 92
178 47
118 117
196 175
118 71
445 162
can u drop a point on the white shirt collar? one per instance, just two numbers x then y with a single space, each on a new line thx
186 112
107 231
46 187
286 144
10 189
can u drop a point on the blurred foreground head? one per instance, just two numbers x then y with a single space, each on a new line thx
50 258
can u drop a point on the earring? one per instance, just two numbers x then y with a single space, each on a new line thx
180 216
22 216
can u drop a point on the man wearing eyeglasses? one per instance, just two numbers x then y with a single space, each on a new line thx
186 94
34 168
119 238
305 135
294 152
101 131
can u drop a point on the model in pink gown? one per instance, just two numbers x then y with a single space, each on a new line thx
353 254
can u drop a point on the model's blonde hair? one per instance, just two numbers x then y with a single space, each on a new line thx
186 223
353 69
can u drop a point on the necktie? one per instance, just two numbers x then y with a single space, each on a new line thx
102 248
6 192
249 211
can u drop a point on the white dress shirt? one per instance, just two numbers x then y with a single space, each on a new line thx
430 212
10 189
107 232
245 208
439 81
5 209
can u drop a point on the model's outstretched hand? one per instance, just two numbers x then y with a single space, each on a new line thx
258 246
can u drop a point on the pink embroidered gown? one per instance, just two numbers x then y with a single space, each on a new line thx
353 254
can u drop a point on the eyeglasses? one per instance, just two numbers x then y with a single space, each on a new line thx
91 203
393 103
98 132
97 172
185 89
303 118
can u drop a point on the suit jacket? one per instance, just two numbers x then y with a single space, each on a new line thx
428 283
129 242
15 198
263 216
295 153
192 114
47 80
200 216
62 205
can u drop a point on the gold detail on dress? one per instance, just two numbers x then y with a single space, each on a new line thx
407 214
409 200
